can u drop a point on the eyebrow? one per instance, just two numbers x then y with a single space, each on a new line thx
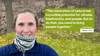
23 22
20 23
31 22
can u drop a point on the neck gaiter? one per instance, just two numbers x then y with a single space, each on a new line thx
24 43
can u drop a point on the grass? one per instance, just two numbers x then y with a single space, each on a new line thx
73 47
65 43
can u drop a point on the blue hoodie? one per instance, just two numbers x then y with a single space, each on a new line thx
37 50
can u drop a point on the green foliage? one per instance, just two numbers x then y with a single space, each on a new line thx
72 47
7 39
70 35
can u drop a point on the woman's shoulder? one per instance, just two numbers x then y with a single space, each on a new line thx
5 49
43 46
47 49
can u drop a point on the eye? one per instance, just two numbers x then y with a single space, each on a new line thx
21 24
30 24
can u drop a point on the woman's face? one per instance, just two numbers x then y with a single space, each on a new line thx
25 24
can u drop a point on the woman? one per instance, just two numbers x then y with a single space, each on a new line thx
25 44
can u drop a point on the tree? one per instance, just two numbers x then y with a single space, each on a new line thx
0 16
9 14
0 12
25 3
46 3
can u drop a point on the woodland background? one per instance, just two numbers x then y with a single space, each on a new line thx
65 43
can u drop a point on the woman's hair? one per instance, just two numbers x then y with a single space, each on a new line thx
24 11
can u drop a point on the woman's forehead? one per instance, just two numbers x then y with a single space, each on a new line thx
25 17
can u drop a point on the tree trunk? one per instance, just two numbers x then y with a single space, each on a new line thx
0 17
25 3
0 13
9 15
46 3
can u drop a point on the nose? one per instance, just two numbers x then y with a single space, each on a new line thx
25 30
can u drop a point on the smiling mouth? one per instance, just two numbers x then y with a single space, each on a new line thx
26 35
